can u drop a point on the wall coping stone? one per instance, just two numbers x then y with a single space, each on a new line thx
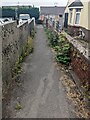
20 25
83 50
7 23
26 22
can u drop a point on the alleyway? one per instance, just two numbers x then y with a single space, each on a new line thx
40 93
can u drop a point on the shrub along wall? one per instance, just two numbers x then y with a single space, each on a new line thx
13 41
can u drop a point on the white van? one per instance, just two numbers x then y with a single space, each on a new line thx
23 18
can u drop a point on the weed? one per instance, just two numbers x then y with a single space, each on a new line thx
18 106
25 52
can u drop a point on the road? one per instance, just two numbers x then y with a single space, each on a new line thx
40 93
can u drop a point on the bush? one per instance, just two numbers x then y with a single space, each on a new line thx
52 37
60 45
63 52
63 58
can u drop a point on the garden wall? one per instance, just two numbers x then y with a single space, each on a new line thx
74 31
80 60
14 39
81 66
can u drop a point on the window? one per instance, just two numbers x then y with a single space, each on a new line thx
77 20
70 15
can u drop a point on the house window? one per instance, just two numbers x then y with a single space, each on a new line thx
77 20
70 15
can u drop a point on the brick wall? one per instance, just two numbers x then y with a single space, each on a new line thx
81 66
13 40
80 59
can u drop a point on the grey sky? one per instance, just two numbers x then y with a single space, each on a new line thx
35 2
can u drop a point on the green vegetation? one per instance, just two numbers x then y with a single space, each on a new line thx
25 52
27 49
53 37
60 45
18 106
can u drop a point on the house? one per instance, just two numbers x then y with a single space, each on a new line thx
66 12
53 16
77 15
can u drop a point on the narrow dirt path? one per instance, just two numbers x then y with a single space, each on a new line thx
40 93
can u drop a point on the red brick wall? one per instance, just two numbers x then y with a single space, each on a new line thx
80 66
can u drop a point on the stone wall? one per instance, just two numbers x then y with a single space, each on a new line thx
14 39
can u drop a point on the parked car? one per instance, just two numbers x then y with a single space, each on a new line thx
23 18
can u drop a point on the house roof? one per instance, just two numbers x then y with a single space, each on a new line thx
76 3
52 10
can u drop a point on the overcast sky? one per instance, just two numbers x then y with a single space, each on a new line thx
35 2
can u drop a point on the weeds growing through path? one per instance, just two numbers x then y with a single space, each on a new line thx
26 50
